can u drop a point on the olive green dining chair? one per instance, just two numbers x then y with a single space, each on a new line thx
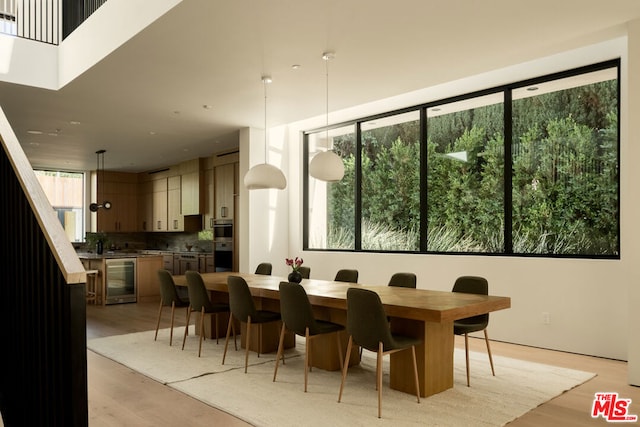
347 275
264 268
472 285
297 316
403 280
199 301
305 272
368 327
169 298
244 310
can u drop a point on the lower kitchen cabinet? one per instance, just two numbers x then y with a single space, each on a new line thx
148 288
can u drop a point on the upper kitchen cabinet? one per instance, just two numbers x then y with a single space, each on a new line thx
121 189
192 187
225 184
174 203
209 200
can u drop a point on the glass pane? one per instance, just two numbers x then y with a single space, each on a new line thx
565 162
332 205
391 183
65 192
465 182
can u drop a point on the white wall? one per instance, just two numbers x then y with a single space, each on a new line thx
28 62
630 199
586 299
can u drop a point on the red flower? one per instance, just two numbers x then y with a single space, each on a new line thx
293 263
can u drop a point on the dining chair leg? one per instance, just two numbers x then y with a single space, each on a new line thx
246 344
345 367
217 328
158 322
486 339
173 312
340 356
226 341
415 372
186 327
307 350
280 351
201 331
466 354
379 377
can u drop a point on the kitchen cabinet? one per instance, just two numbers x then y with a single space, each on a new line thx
145 206
174 203
224 191
148 288
159 201
209 200
192 186
121 189
205 263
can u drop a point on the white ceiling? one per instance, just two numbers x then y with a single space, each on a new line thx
206 52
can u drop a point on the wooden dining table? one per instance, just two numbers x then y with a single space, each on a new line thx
421 313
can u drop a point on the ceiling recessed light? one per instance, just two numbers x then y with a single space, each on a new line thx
295 66
35 132
34 144
152 133
74 122
207 107
532 88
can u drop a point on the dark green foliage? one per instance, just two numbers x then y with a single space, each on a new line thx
564 183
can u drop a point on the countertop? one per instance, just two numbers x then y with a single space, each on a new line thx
137 254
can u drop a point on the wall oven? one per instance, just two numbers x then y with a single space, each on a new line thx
223 230
120 280
223 256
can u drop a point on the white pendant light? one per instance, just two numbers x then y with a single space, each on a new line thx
327 165
264 175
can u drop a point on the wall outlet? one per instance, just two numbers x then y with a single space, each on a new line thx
545 318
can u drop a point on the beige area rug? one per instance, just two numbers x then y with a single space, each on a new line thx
517 388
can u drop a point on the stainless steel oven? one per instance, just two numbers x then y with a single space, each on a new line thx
223 256
223 230
120 280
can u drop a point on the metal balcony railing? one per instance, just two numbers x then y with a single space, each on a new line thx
47 21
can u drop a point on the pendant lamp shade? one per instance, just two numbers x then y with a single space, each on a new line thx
327 165
265 176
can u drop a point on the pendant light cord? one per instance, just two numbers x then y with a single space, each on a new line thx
265 81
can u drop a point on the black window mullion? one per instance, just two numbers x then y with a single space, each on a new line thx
424 208
305 192
358 190
508 172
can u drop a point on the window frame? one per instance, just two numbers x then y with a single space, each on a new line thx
507 90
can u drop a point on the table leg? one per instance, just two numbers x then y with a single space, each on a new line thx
434 357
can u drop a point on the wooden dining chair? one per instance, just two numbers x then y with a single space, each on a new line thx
297 316
472 285
244 310
305 271
347 275
368 327
199 301
403 280
169 298
264 268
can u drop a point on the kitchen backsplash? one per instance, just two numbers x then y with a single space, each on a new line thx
175 242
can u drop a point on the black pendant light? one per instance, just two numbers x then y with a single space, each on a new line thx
93 207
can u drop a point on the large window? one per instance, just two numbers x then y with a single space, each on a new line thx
65 191
528 168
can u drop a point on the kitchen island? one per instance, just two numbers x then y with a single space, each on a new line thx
141 282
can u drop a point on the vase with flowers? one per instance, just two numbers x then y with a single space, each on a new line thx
294 276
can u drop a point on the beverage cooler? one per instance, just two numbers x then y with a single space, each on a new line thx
120 280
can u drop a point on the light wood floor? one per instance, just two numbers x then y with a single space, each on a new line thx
119 396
